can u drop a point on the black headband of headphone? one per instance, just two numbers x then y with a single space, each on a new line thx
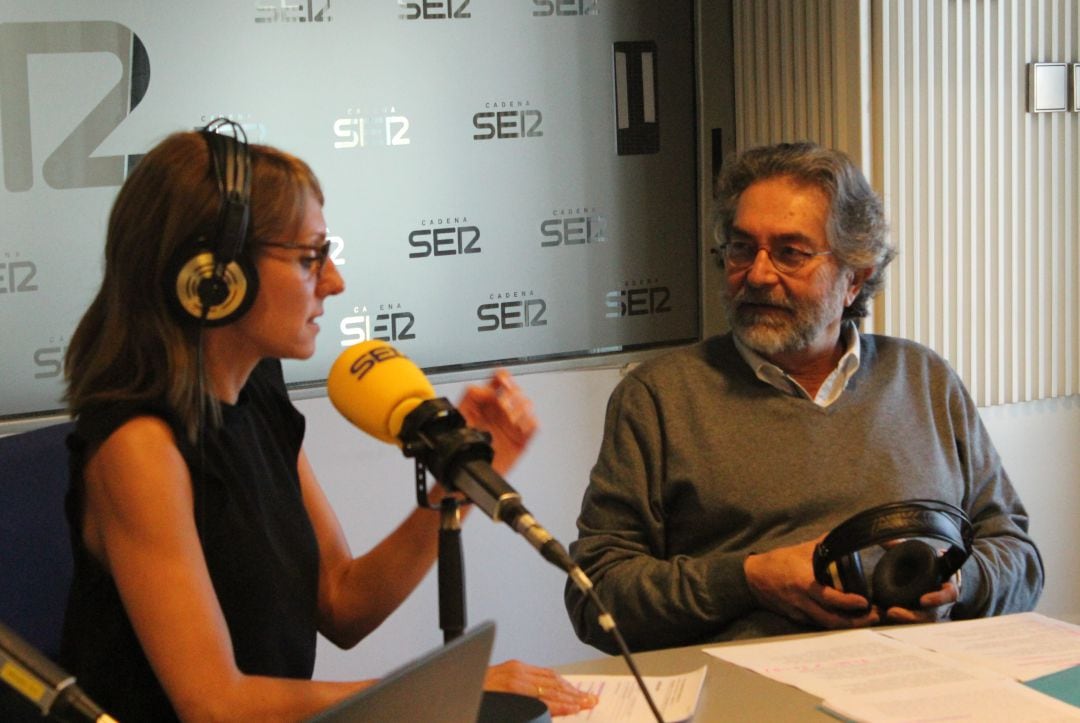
909 568
231 164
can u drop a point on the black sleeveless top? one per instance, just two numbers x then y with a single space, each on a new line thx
257 539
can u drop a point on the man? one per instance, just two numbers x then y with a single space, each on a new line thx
724 463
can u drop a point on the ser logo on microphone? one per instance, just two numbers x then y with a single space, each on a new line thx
367 361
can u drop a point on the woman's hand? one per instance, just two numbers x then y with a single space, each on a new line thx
556 692
501 409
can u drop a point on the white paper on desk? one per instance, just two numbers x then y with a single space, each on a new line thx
848 663
1022 646
621 700
995 701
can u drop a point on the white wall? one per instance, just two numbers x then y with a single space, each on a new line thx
1039 443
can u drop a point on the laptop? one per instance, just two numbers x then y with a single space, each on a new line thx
445 684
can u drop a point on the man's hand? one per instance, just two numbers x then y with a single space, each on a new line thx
936 606
782 580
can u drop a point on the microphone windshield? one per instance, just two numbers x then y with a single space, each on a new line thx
375 386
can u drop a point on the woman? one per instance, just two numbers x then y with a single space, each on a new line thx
207 555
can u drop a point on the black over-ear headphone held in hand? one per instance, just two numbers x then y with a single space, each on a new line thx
214 281
909 567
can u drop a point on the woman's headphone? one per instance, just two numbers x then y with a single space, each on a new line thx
909 568
215 283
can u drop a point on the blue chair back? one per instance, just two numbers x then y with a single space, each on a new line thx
35 548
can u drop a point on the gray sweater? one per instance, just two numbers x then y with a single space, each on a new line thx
703 464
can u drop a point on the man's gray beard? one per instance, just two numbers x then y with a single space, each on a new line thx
770 336
779 333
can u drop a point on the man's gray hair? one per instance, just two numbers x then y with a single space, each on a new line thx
856 227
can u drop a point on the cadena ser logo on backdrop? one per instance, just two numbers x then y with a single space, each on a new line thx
387 322
562 8
49 360
573 226
638 298
512 310
17 275
291 11
359 130
445 236
72 163
434 10
507 119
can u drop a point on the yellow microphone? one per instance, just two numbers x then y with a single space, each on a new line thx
375 386
382 392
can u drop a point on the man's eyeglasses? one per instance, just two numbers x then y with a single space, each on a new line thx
317 261
738 255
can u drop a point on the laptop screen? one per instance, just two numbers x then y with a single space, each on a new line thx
445 684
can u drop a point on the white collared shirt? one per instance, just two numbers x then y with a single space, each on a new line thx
831 388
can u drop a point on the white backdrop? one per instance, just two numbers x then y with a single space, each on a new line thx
505 181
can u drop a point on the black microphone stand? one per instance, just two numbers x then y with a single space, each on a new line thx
436 436
451 566
451 570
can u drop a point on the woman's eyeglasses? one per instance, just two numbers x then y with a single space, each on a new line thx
318 261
